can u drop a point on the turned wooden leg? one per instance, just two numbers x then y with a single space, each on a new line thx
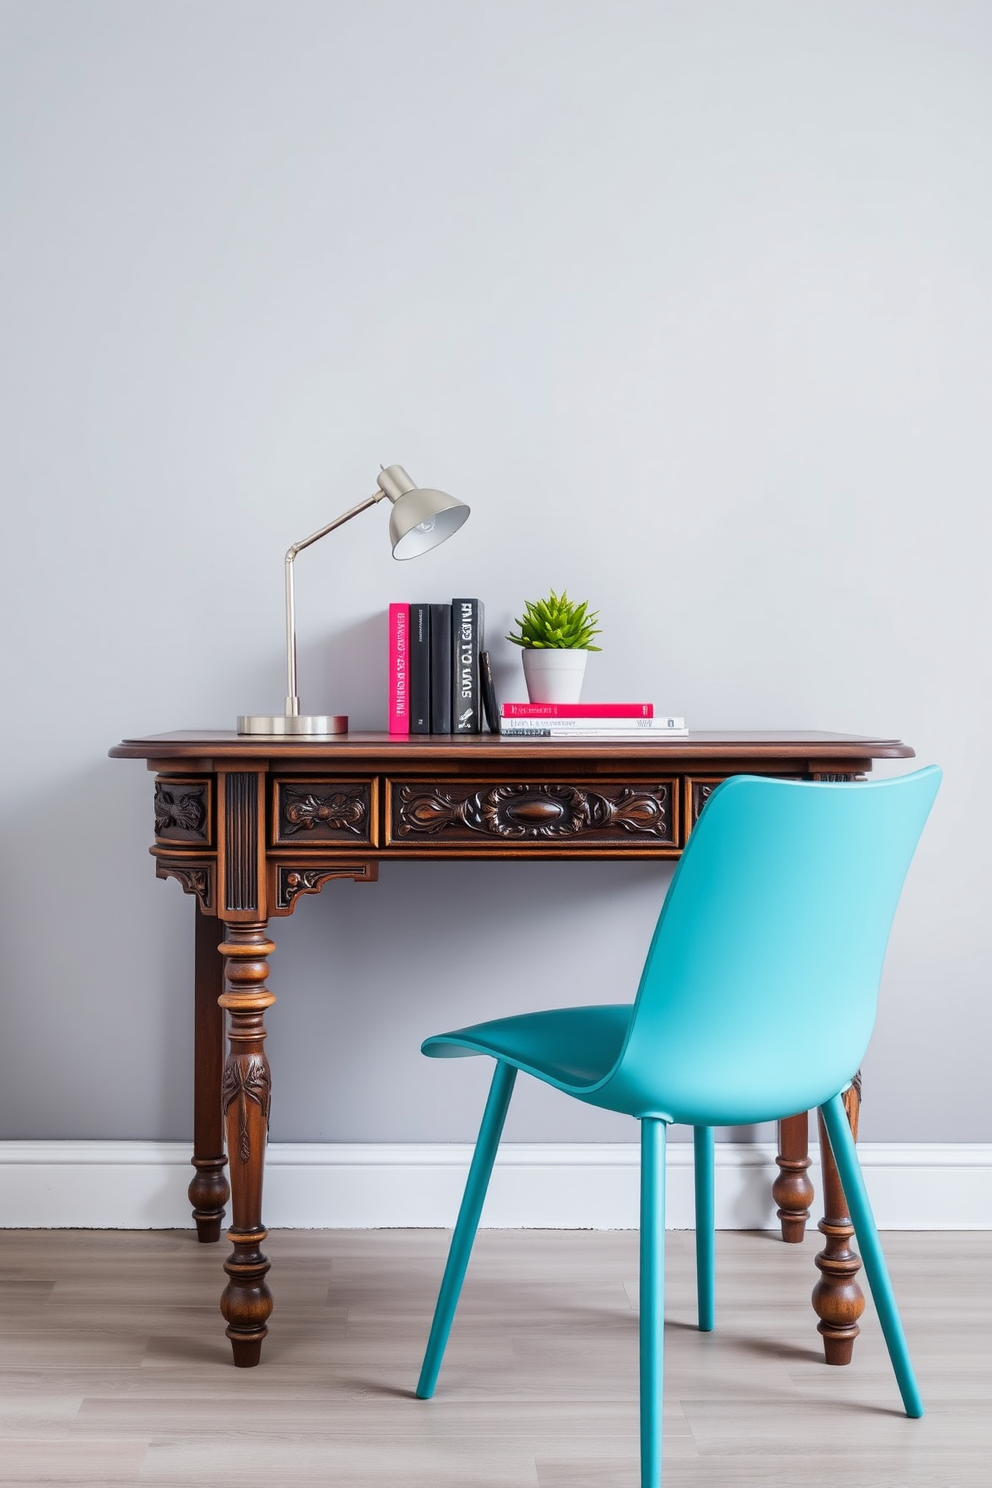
792 1190
837 1298
247 1301
209 1190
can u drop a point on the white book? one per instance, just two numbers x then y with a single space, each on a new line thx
546 730
595 725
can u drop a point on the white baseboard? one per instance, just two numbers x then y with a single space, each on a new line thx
142 1185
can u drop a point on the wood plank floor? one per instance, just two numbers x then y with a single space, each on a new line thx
115 1370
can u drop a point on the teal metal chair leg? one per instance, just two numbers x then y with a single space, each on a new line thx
467 1224
652 1296
704 1146
849 1169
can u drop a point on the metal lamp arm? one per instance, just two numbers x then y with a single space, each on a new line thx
292 695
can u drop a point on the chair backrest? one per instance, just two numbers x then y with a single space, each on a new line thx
758 995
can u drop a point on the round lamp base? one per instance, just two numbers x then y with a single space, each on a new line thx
288 726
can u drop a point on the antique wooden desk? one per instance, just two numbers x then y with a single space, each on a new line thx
248 825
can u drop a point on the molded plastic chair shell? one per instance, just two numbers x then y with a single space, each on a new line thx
779 912
757 1000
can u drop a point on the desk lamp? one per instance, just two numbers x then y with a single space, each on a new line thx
420 520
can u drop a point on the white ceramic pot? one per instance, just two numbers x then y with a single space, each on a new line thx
554 676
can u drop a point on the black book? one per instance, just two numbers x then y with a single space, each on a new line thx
489 704
466 643
419 670
440 669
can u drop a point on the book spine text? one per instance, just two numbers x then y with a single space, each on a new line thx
399 673
466 696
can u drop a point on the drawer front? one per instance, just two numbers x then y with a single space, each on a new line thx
312 813
593 814
699 788
184 811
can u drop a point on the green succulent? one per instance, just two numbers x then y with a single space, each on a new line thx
556 624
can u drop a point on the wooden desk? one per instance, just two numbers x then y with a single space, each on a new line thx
248 825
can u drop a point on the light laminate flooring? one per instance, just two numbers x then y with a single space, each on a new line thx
114 1368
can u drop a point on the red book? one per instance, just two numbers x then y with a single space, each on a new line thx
577 710
399 668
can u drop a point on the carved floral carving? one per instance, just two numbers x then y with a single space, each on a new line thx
343 808
544 812
247 1079
180 810
296 881
194 879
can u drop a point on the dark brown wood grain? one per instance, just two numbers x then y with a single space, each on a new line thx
292 880
534 812
182 810
209 1190
309 813
762 748
792 1189
245 1095
195 874
838 1300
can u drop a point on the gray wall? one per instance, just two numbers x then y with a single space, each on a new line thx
691 302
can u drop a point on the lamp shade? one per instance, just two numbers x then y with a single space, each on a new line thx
421 518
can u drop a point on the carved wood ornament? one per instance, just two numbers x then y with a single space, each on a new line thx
241 841
246 1078
292 882
342 808
545 812
181 811
195 879
247 1301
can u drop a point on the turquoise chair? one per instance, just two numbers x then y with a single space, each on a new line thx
757 1000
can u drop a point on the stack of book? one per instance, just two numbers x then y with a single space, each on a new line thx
620 721
437 668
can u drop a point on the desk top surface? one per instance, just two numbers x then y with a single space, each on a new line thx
360 748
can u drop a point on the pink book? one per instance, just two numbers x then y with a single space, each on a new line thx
399 668
577 710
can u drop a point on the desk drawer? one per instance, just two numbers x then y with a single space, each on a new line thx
312 813
579 814
699 788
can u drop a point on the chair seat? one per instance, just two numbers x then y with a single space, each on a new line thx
572 1048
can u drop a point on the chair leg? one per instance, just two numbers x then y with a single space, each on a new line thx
849 1169
703 1144
467 1224
652 1296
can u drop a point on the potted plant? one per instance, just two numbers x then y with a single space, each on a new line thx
556 637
